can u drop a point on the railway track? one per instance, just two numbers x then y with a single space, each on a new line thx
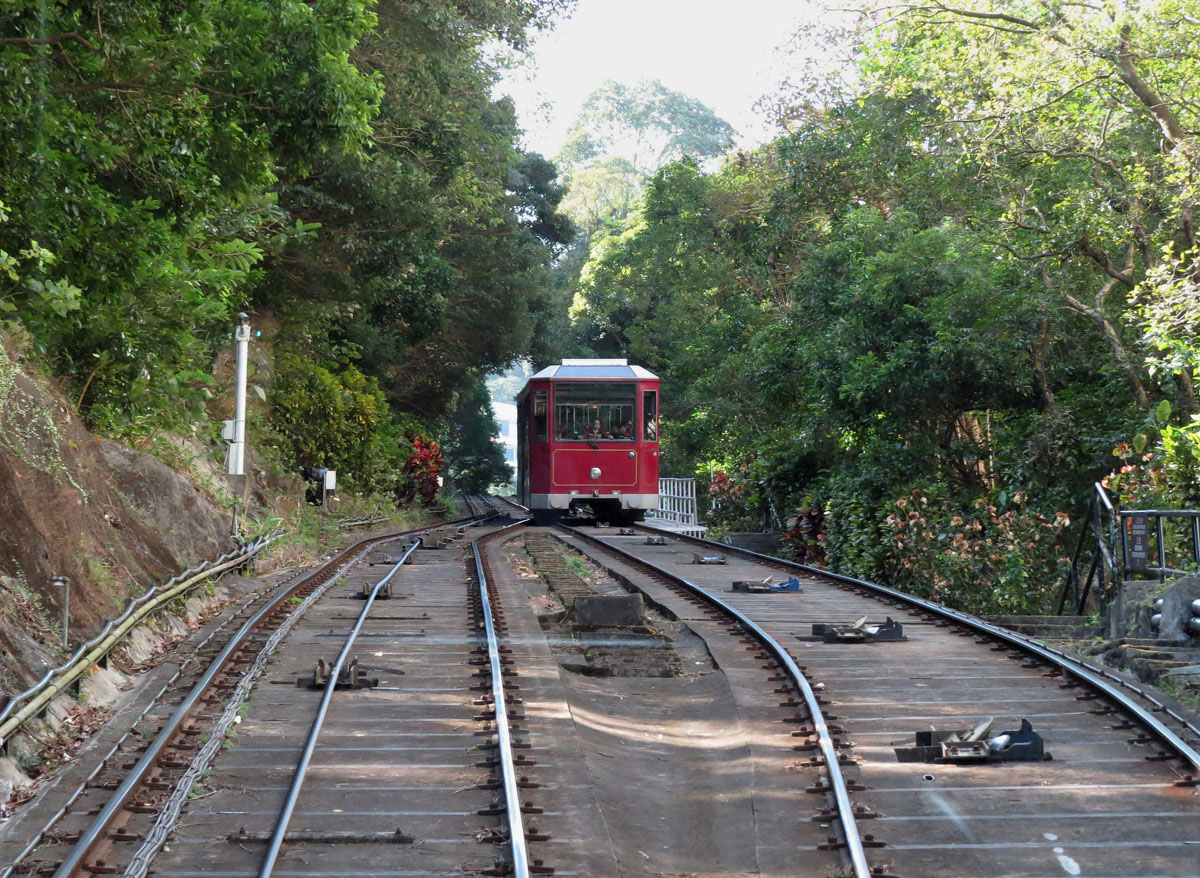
1118 798
486 704
228 755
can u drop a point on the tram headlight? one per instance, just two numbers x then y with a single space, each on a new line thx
595 473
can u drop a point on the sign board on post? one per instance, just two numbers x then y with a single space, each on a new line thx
330 480
1139 543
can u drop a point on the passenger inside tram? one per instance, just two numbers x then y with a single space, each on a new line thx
596 411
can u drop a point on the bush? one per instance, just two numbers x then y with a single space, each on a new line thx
335 419
981 559
419 477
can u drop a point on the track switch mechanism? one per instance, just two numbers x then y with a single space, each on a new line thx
976 745
860 632
765 586
349 678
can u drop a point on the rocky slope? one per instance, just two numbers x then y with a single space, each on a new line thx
111 518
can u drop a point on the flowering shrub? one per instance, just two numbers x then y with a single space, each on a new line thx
982 560
723 490
419 477
1166 476
805 534
729 509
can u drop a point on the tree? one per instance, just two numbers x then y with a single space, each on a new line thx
475 461
435 246
1080 116
648 124
140 141
602 196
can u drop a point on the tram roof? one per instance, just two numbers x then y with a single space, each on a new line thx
594 369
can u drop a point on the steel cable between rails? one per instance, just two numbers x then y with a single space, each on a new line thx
157 837
279 834
192 658
74 859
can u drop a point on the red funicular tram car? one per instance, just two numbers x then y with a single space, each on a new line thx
587 436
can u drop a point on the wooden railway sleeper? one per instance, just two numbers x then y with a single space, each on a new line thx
493 744
821 786
811 745
807 731
494 783
492 761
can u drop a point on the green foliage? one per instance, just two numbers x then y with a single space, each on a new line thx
842 318
648 124
339 420
436 243
978 558
475 463
339 168
26 272
141 140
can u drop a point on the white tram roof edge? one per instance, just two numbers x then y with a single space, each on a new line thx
594 369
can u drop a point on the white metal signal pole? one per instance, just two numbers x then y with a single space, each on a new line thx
237 448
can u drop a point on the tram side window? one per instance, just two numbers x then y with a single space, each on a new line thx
649 416
538 431
594 412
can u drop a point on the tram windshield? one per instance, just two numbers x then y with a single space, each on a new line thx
594 412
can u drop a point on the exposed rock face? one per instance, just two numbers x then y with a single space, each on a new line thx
113 520
62 512
190 526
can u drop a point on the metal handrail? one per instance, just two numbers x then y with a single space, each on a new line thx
837 781
1092 676
13 716
508 770
310 744
1103 557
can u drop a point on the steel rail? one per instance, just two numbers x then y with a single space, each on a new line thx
508 770
837 781
82 787
512 502
1094 677
73 862
314 732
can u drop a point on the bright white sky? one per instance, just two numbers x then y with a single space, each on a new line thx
721 52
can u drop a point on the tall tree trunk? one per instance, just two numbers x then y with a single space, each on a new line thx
1114 341
1187 390
1039 367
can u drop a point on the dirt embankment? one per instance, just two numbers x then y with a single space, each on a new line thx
112 519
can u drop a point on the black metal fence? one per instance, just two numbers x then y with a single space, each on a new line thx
1122 544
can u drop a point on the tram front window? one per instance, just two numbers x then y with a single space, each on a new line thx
594 412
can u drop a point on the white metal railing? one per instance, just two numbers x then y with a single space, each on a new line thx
677 506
